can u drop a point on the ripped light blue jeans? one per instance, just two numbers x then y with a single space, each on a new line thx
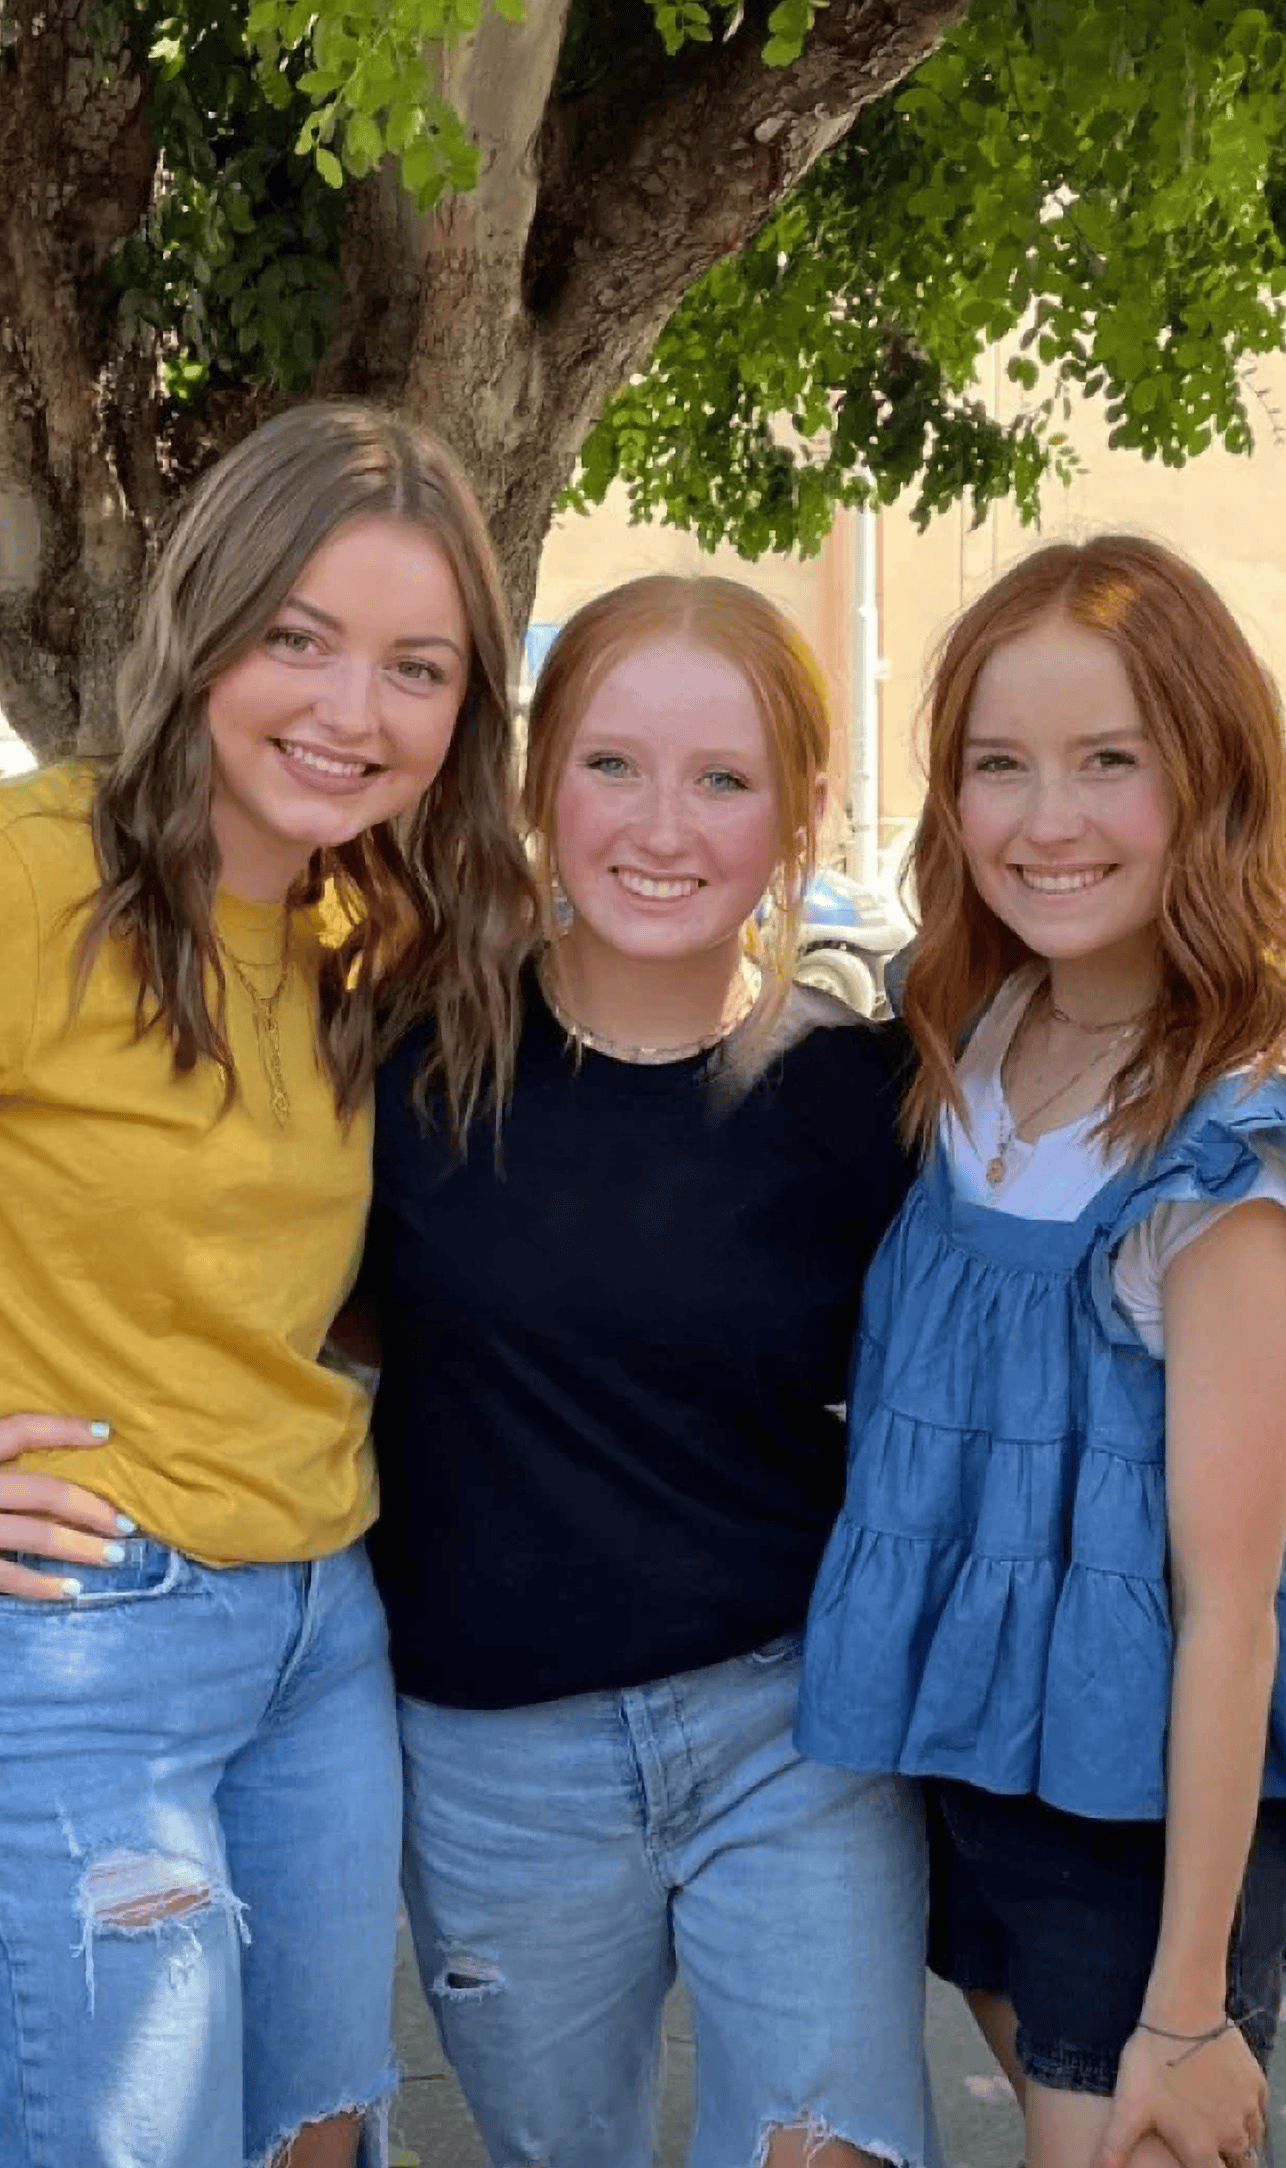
562 1861
199 1832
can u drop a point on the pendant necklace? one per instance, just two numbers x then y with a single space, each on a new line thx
263 1008
997 1168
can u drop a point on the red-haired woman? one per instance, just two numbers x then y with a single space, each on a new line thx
610 1458
1053 1588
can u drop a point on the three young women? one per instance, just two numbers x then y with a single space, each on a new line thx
1054 1587
610 1452
199 1775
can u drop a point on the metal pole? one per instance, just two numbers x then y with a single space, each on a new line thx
864 720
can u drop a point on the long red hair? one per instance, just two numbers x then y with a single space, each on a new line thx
1212 713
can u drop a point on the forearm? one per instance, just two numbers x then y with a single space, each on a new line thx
1225 1657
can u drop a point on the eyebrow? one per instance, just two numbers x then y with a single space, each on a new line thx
1085 737
335 624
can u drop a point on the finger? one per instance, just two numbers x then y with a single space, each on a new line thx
1124 2130
51 1539
51 1498
39 1587
43 1433
1192 2150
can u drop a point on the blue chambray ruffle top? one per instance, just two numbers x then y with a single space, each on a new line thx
993 1602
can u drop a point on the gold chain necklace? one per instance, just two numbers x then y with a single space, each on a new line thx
263 1008
742 998
996 1168
1120 1023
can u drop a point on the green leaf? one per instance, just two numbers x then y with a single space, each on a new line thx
329 168
363 144
421 171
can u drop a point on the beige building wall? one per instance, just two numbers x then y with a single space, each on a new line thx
585 555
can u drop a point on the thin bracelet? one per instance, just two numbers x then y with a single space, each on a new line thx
1191 2041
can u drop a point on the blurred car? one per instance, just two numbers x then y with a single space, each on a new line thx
846 940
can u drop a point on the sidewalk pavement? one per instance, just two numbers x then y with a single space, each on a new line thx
980 2125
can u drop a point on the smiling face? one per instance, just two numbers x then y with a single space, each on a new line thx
666 821
341 714
1066 811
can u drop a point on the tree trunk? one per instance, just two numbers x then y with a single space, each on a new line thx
505 319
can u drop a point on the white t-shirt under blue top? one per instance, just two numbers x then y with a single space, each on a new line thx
1056 1175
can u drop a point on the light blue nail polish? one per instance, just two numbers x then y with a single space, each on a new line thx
71 1588
113 1554
126 1525
101 1431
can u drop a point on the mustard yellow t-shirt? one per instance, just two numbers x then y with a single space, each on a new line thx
165 1265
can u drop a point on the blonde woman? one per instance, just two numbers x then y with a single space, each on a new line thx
199 1782
610 1454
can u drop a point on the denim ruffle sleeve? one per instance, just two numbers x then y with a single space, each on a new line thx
993 1603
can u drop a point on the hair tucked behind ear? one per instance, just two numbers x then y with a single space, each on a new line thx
1213 717
441 904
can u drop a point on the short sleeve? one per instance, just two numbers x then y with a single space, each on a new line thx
1151 1246
20 976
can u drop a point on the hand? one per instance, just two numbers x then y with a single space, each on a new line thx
1208 2106
45 1514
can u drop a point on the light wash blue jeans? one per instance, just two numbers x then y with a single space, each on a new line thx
199 1828
562 1860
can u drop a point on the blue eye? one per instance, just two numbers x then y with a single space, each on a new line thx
723 780
611 764
1113 756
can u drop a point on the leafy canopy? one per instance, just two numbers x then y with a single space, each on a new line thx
1104 178
261 116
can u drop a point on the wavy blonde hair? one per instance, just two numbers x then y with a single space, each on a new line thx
440 903
746 630
1212 714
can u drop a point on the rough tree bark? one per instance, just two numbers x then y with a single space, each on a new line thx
505 319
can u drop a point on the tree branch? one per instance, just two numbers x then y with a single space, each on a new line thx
649 170
397 264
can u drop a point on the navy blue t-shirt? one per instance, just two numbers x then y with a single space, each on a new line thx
606 1424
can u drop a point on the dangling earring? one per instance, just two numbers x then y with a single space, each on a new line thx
560 903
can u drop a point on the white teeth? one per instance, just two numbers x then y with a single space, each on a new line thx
324 763
1061 884
638 884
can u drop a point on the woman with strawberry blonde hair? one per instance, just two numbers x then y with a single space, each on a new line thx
1052 1591
609 1452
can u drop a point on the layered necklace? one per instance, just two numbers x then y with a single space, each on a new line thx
742 996
1112 1034
263 1008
